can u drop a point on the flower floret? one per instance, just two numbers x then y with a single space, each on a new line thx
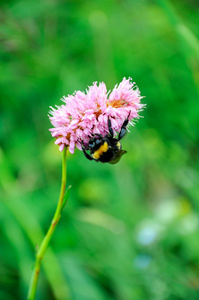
84 114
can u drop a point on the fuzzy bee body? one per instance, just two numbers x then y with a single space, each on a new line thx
106 149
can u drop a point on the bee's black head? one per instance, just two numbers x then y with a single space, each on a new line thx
94 143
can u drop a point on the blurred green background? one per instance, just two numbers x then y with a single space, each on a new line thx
130 231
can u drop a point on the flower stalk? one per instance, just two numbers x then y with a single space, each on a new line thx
44 245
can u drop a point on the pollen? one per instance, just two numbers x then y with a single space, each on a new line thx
103 148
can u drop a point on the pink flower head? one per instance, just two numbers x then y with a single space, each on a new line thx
83 114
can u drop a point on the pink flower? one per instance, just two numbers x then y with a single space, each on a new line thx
83 114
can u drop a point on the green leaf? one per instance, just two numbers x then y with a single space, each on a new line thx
66 196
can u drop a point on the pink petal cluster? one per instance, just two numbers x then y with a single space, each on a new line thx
83 114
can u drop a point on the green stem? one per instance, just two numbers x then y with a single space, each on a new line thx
42 249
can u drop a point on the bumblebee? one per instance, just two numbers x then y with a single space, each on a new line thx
106 149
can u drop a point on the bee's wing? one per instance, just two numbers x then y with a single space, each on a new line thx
117 157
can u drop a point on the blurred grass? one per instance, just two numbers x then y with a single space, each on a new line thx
129 231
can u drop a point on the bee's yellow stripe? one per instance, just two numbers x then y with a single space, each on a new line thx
103 148
119 145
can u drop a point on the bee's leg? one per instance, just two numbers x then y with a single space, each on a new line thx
85 153
123 128
110 127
